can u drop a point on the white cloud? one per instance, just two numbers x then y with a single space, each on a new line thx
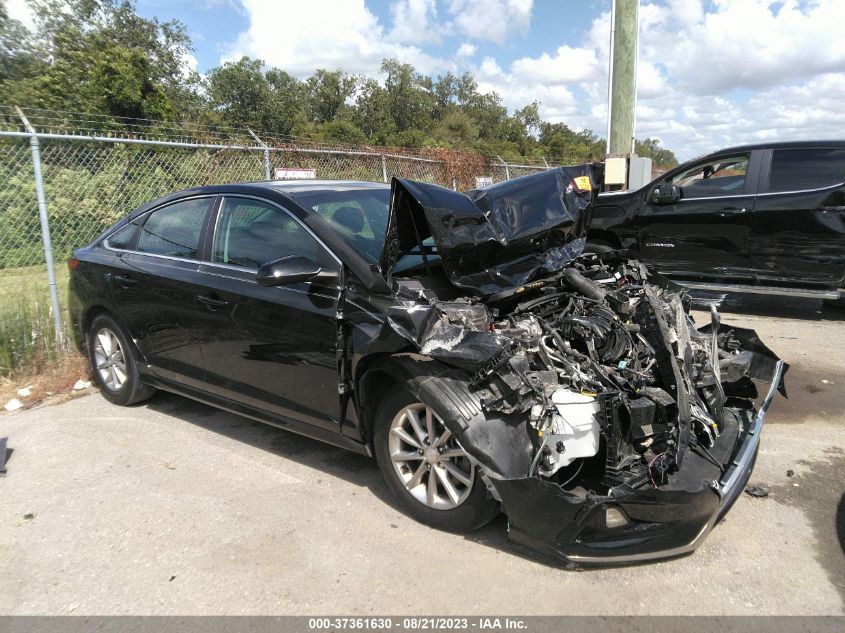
189 64
300 37
466 50
415 22
493 20
19 10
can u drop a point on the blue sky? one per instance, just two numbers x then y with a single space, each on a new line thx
711 73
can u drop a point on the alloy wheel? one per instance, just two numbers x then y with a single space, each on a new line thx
109 360
428 460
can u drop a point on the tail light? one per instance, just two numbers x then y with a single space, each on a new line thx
72 264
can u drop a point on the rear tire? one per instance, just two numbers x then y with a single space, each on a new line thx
113 363
432 478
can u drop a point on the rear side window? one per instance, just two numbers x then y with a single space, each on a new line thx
251 233
175 230
124 237
797 169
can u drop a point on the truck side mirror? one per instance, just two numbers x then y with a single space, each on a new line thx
666 194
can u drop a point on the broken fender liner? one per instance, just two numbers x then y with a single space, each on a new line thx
763 360
499 442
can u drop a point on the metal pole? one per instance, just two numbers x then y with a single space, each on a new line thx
623 77
266 154
383 169
507 171
45 226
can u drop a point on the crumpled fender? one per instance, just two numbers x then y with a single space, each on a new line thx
498 442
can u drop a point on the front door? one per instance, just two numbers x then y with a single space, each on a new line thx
271 348
704 234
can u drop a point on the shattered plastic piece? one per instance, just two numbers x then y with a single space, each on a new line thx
13 405
757 491
24 392
79 385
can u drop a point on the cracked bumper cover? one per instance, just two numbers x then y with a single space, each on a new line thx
662 522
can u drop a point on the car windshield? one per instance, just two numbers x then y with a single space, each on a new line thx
360 218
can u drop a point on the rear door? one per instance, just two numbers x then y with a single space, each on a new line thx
153 285
706 233
271 348
798 224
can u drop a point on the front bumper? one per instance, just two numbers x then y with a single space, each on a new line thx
663 522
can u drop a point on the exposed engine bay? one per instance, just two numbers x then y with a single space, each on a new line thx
602 364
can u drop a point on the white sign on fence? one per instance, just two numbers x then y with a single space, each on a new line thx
294 173
483 181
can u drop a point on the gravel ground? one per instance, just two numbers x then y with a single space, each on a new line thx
175 508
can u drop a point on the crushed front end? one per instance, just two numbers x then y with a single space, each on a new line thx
611 427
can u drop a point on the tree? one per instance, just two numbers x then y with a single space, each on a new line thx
239 91
660 156
96 55
326 92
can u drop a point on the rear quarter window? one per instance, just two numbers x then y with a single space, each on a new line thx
798 169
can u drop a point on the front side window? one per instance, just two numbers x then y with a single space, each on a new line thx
359 216
798 169
175 230
719 177
251 233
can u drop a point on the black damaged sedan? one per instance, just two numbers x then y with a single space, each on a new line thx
461 339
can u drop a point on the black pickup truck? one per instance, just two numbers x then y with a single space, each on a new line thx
767 219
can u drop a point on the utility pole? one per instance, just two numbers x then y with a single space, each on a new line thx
622 82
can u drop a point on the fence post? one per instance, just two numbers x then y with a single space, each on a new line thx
383 168
266 154
507 171
45 226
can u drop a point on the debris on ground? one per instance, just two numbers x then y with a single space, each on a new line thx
79 385
790 472
13 405
24 392
29 516
757 491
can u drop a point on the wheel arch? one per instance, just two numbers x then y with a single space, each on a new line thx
91 313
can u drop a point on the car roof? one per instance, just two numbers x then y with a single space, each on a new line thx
833 143
305 186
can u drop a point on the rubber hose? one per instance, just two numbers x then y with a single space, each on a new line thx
585 286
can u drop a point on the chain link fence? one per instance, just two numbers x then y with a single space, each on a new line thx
94 171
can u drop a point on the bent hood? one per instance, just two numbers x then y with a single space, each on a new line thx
497 238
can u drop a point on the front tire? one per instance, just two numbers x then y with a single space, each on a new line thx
426 468
113 363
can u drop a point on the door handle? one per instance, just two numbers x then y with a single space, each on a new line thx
212 301
124 280
726 211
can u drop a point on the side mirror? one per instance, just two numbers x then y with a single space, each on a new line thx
666 194
287 270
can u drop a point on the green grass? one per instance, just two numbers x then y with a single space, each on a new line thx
27 331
